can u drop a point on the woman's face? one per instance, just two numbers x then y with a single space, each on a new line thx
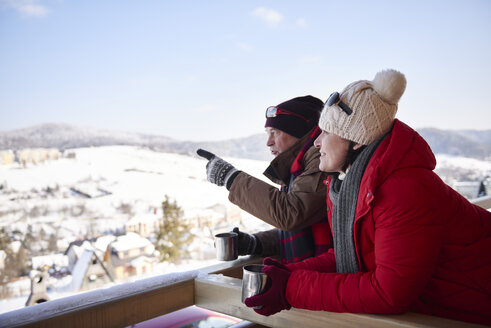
333 149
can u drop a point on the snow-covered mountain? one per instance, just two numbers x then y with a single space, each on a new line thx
466 143
65 136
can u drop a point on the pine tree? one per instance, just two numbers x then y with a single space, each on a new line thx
173 234
5 274
53 243
5 239
15 264
22 262
29 239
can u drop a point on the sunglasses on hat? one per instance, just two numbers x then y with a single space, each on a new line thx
273 111
335 99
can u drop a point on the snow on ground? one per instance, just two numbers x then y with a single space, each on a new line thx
130 173
136 176
449 161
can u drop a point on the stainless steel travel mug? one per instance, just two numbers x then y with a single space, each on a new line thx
253 281
227 246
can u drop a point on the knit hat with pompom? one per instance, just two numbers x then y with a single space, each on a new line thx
373 105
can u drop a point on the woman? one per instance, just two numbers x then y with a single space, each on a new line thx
403 240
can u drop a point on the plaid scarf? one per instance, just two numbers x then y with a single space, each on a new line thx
297 167
310 241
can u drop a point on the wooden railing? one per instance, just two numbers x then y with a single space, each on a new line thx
223 294
216 288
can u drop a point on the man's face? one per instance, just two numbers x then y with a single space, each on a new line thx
333 149
279 141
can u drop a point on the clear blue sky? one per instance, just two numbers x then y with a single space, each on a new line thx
206 70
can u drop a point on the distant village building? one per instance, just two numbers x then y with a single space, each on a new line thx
130 255
75 251
215 216
145 225
101 244
121 256
53 154
7 157
84 259
36 155
89 272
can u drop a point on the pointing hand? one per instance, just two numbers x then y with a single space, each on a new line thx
218 171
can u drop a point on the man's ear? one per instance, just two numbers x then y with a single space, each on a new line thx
357 146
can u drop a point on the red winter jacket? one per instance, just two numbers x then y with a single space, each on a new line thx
420 245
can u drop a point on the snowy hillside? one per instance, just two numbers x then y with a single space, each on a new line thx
136 177
40 199
63 136
467 143
137 180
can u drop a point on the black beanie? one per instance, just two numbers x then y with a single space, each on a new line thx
308 107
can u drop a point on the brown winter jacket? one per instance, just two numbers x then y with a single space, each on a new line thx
303 205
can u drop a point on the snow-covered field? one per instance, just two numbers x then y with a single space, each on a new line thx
137 179
478 167
130 173
40 196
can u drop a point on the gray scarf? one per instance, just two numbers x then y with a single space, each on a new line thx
344 196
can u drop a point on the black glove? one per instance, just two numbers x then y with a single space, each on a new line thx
248 244
218 171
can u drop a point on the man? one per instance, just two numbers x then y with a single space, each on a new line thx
297 210
402 239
